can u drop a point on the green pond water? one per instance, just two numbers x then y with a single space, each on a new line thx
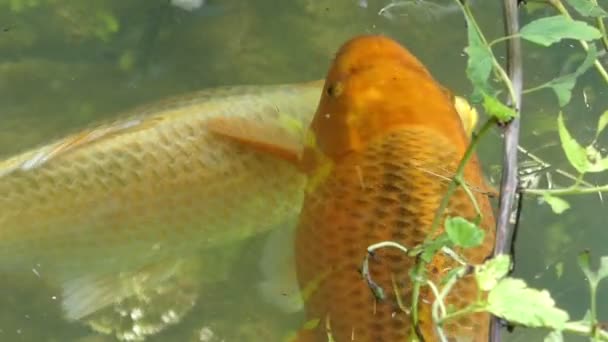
65 64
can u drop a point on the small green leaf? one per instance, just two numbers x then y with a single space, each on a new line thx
587 8
588 61
512 300
585 264
488 274
587 317
495 108
602 272
479 64
601 124
549 30
557 204
595 161
563 89
576 154
559 269
563 85
429 250
463 233
554 336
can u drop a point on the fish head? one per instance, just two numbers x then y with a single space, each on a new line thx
373 86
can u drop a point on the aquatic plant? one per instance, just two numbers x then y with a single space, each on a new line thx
499 294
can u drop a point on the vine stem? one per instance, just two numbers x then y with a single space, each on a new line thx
371 250
574 190
496 65
457 180
452 186
600 25
502 39
582 329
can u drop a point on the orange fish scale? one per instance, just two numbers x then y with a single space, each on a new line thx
389 191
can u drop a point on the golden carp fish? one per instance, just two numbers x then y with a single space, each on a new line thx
126 197
382 146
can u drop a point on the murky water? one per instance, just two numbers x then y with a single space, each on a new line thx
66 64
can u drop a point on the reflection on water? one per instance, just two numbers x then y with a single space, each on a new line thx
420 10
66 64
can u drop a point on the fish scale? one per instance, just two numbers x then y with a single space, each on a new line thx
396 202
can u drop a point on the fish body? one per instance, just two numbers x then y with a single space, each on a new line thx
385 141
381 149
145 190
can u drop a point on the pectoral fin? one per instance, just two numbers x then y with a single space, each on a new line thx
88 294
278 266
306 334
270 138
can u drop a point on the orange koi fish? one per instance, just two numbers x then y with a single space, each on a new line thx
381 149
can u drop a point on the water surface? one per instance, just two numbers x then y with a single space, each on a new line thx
67 64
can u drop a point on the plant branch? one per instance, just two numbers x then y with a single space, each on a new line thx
502 39
496 65
602 27
573 190
457 179
509 183
582 329
544 164
371 250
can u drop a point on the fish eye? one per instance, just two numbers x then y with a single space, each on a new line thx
334 90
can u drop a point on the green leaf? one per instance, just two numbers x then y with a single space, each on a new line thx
576 154
495 108
563 89
601 124
563 85
554 336
587 8
512 300
479 64
557 204
595 161
559 269
463 233
588 61
602 272
549 30
488 274
429 250
587 317
585 264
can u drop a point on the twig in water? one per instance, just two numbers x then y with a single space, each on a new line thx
377 289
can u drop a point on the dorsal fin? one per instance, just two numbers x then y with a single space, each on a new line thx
35 158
